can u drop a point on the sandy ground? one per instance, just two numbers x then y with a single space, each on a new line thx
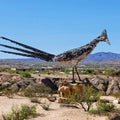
56 112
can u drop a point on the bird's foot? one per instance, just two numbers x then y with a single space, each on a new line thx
73 81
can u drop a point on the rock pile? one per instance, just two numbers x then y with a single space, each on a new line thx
107 85
16 82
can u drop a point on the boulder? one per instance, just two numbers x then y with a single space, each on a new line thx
114 116
6 84
100 83
107 85
113 87
49 83
13 88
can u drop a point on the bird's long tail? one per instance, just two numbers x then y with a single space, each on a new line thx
32 52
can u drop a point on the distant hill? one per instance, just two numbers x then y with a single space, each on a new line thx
24 60
100 57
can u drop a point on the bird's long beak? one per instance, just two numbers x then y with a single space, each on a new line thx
107 41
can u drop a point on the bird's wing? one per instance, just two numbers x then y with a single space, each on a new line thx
74 53
31 52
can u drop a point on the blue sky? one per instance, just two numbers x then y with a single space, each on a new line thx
59 25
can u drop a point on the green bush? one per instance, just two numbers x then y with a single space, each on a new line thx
33 91
45 106
2 87
117 95
26 74
35 100
102 109
109 71
118 73
67 71
21 114
88 71
85 98
2 69
48 72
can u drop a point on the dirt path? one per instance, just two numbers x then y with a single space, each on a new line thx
56 112
7 103
64 113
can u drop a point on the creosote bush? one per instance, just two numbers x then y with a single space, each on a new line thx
88 71
24 74
22 113
33 91
45 106
102 109
117 95
85 98
35 100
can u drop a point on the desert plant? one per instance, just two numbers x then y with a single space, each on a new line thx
2 87
9 93
20 113
88 71
117 94
109 71
25 74
118 73
102 109
35 100
66 71
2 69
45 106
33 91
85 98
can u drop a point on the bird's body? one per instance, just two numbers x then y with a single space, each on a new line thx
73 56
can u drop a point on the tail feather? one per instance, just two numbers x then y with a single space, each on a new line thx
38 55
23 45
35 52
15 53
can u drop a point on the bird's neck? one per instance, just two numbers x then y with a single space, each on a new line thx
95 42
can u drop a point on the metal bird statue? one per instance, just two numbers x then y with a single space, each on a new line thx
73 56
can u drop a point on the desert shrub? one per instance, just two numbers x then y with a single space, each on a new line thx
117 95
10 71
2 87
35 100
25 74
9 93
88 71
45 106
33 91
2 69
85 98
21 113
67 71
118 73
109 71
102 109
49 72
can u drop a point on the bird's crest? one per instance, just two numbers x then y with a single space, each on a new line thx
104 33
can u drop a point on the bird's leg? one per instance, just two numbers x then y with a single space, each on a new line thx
73 77
77 73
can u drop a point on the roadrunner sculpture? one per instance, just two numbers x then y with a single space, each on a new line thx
72 57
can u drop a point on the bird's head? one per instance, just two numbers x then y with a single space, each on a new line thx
105 37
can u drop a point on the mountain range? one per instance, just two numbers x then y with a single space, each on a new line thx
100 57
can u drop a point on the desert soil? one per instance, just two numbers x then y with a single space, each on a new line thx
56 112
